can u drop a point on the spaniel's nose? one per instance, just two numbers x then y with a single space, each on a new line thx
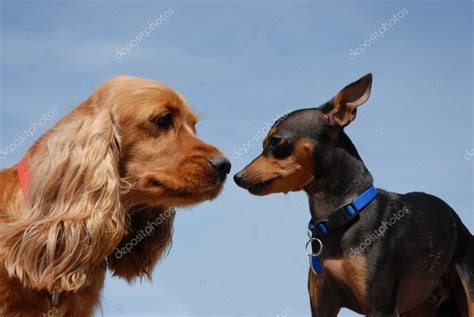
239 177
222 165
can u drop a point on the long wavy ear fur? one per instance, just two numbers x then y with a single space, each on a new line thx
73 217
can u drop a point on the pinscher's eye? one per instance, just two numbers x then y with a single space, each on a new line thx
279 146
274 141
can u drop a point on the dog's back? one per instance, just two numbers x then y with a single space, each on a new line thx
430 248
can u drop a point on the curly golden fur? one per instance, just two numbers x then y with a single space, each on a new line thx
98 176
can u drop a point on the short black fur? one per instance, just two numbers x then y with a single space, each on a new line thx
419 247
422 263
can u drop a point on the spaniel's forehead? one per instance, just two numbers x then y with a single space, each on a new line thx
155 102
141 99
189 116
177 104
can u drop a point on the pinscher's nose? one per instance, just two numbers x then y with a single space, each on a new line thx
238 177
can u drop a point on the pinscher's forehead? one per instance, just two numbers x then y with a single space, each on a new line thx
299 124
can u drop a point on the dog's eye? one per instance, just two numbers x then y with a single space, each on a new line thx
280 147
165 121
274 141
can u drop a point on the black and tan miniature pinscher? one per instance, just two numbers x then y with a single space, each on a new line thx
375 252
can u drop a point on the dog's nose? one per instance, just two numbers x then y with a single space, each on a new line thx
238 177
222 165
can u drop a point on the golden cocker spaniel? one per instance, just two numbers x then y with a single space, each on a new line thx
115 165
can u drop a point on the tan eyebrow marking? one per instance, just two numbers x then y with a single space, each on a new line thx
269 135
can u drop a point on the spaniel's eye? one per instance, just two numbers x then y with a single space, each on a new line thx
274 141
165 121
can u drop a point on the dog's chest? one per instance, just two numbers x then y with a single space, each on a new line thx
351 272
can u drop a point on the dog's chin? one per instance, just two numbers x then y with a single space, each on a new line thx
184 196
195 197
262 188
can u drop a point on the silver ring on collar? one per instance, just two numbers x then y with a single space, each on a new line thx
310 253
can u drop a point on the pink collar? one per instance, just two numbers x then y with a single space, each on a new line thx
23 175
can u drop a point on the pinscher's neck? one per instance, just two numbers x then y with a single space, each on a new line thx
340 176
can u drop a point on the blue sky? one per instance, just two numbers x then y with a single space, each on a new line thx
241 64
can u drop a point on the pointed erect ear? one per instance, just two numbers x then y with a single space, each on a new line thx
342 109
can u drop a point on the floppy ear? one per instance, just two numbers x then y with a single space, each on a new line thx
73 217
342 109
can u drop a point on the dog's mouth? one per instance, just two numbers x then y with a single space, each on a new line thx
184 192
259 187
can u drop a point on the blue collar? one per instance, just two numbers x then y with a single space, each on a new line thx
338 219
